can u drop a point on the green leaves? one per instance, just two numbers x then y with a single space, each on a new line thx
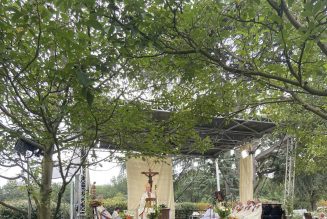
93 22
87 93
82 78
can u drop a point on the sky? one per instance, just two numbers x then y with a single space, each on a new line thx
100 174
103 175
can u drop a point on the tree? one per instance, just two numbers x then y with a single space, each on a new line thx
66 83
280 47
118 185
12 190
195 179
244 58
49 77
309 189
72 71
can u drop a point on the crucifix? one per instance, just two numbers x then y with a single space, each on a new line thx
150 174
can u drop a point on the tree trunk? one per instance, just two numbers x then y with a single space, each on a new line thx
313 201
44 209
60 194
313 205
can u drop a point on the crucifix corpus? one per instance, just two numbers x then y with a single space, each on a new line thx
150 174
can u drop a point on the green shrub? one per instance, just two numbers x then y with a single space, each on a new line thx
184 209
9 213
110 205
202 206
22 205
118 201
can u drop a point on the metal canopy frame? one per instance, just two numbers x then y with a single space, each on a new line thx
225 133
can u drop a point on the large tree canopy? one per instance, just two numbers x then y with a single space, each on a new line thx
249 58
278 46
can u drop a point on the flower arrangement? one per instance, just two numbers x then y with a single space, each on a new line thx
223 212
122 215
153 215
155 212
126 214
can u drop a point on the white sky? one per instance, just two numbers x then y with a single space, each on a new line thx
100 174
103 175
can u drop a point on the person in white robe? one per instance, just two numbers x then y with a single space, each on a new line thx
115 213
147 203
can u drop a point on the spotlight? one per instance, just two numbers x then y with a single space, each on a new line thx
24 145
246 153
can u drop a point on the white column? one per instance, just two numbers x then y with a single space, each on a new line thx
72 204
217 175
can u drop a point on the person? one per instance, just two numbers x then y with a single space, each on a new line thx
322 216
115 214
219 199
101 211
93 191
147 202
219 196
210 214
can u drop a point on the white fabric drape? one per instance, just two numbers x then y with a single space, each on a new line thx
163 181
246 176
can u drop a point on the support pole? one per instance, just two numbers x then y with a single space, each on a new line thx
289 175
82 201
29 208
72 205
217 175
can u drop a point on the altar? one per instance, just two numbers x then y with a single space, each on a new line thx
250 210
159 173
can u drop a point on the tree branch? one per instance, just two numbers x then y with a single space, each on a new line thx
11 178
38 43
294 21
309 107
267 152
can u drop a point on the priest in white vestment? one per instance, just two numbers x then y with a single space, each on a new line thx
147 203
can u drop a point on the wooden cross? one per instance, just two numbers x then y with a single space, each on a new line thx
150 174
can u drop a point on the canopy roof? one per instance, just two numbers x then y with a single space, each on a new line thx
225 133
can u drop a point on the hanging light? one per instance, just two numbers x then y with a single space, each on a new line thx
244 154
